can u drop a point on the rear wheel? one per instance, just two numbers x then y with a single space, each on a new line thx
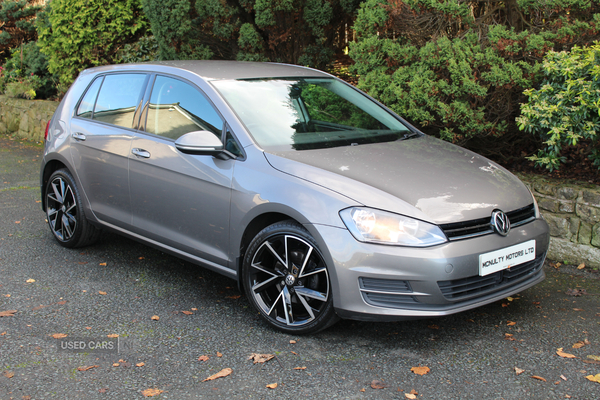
64 212
287 281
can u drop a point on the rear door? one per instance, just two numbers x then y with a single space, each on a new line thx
101 134
180 200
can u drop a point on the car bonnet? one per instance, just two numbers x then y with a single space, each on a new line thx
444 182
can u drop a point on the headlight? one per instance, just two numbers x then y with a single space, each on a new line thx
376 226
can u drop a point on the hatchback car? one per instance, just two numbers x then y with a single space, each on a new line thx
320 201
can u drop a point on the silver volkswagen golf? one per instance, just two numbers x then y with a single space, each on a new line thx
321 202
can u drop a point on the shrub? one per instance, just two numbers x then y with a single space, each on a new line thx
306 32
458 68
566 108
145 49
17 19
77 34
27 62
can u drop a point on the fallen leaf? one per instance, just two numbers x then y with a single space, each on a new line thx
563 354
539 378
221 374
203 358
102 264
410 396
509 298
155 318
3 333
595 358
151 392
510 323
17 222
362 390
62 303
578 309
578 345
294 353
103 390
30 280
557 265
420 370
593 378
504 304
141 364
112 336
375 384
87 368
260 358
102 293
219 354
272 385
187 312
300 368
433 326
194 309
509 336
8 313
7 295
58 335
575 292
581 266
519 371
237 296
8 374
563 378
293 341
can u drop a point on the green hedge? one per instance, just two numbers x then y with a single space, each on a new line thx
566 108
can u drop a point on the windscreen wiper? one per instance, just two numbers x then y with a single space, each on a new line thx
410 135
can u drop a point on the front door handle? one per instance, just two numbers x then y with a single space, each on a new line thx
80 137
140 153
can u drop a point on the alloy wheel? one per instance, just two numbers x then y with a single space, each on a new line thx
289 281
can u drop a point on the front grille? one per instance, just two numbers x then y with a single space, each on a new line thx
483 226
462 289
388 293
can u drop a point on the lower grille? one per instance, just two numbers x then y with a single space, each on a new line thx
462 289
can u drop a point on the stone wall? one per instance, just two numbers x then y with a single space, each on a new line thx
571 210
573 215
25 118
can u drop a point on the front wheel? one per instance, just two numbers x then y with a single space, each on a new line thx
287 281
64 212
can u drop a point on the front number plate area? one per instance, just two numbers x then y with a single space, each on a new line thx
498 260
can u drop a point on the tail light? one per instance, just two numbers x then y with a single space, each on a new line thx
46 132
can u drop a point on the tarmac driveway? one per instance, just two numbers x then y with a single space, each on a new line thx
203 325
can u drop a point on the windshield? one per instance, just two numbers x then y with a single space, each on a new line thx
308 113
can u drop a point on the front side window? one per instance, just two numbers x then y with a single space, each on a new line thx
177 108
309 113
118 98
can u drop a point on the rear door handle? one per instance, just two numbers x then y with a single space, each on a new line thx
140 153
80 137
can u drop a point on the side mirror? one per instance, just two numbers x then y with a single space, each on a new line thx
202 143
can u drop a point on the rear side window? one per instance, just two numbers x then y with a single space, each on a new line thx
113 99
177 108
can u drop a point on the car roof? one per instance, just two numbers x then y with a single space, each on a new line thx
217 69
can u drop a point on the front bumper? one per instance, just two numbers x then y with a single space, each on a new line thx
387 283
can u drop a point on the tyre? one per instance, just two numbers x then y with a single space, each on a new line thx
286 279
64 212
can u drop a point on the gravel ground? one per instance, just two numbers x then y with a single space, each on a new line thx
116 286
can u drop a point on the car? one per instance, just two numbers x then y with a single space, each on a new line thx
318 200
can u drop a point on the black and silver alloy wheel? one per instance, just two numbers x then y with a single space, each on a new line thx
64 212
287 279
61 209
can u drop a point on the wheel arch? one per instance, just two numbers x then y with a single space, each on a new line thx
50 167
